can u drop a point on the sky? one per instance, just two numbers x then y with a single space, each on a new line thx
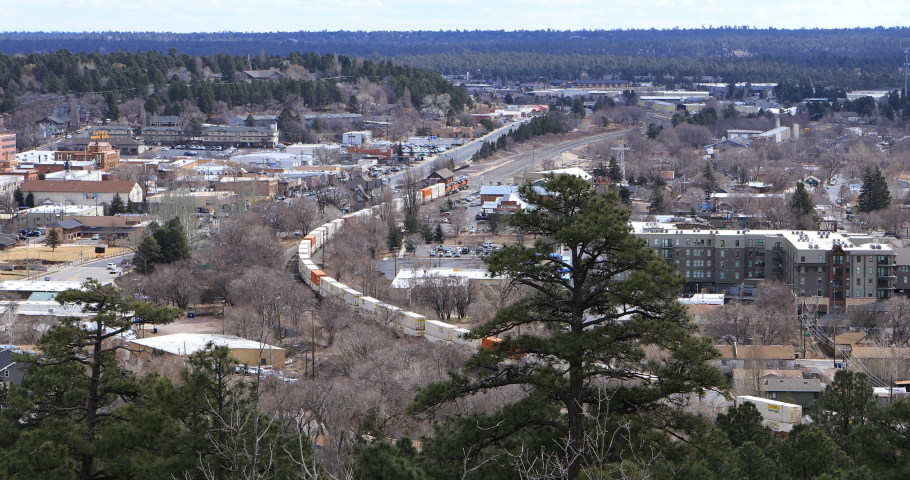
309 15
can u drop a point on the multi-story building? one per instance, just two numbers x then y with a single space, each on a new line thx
8 149
102 153
826 268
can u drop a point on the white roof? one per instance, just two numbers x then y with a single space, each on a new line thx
187 343
40 286
407 277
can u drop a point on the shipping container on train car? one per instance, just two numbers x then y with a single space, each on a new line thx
338 222
352 298
316 277
329 229
438 189
426 194
324 285
386 313
439 330
303 250
368 305
459 337
312 239
413 321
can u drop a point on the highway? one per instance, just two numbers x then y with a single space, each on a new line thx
96 269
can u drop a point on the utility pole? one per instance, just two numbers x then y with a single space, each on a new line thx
906 70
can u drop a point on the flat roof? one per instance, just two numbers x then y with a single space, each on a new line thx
40 286
187 343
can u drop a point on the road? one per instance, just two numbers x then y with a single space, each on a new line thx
96 269
504 172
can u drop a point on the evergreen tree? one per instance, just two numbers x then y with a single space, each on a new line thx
614 173
171 237
874 194
438 235
61 416
250 121
394 237
29 200
710 181
625 196
743 424
19 197
130 206
147 254
654 130
53 239
586 326
113 111
658 203
117 206
843 406
801 203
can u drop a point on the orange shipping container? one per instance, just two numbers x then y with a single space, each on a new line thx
311 239
426 192
315 275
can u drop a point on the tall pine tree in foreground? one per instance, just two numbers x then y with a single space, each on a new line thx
874 194
592 351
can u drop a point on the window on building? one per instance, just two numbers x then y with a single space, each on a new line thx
859 270
870 282
871 270
736 264
750 242
871 258
802 280
759 243
802 269
737 254
723 275
723 253
820 269
722 243
821 258
819 281
736 275
859 293
818 293
869 294
688 252
688 263
802 258
859 281
736 244
688 241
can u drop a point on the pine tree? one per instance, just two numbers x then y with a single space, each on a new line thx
874 194
117 206
65 407
172 239
148 253
438 234
394 237
658 204
250 121
801 203
29 200
19 198
586 325
710 180
130 206
53 239
614 173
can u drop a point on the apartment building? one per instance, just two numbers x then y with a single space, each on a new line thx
8 149
825 268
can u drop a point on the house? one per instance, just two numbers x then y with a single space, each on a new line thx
846 342
82 192
801 391
122 131
108 227
812 181
756 357
11 370
247 352
882 361
258 75
364 189
50 126
68 229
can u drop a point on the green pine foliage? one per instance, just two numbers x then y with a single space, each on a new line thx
117 206
53 239
586 327
874 194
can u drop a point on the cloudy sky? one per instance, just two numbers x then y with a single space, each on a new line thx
310 15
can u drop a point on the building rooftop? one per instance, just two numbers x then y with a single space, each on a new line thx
187 343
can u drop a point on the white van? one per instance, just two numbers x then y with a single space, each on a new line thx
112 266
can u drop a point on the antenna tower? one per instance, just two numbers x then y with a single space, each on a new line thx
620 156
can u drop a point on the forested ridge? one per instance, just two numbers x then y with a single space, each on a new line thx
860 58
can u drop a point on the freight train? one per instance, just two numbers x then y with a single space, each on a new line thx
408 322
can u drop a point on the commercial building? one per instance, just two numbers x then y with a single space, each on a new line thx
48 215
102 154
827 269
81 193
248 352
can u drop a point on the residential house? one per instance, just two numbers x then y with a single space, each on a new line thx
11 370
755 357
364 189
441 176
108 227
259 75
801 391
50 126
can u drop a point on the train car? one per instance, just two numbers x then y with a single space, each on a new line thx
413 321
324 285
329 230
311 239
426 194
436 330
338 222
459 338
303 250
316 277
352 297
438 190
368 305
386 313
